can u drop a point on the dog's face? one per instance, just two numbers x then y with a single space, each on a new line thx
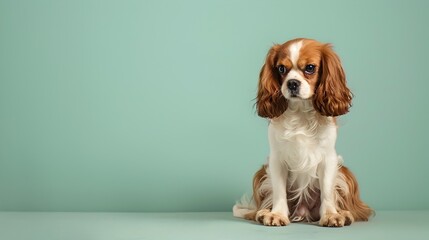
298 70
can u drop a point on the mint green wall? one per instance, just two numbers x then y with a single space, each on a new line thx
147 105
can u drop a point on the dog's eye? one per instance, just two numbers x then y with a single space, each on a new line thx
309 69
282 69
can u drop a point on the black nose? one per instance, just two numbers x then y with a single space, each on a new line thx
293 85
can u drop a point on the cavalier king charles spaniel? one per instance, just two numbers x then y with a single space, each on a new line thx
302 90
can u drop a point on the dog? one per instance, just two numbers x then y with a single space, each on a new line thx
302 90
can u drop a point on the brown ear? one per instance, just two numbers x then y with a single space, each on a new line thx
270 102
332 96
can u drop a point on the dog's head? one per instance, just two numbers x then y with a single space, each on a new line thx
302 69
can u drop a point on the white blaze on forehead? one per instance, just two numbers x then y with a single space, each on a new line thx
294 52
295 73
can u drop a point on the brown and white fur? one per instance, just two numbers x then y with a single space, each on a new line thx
302 89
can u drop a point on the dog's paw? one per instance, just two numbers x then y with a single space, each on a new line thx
349 217
340 219
269 218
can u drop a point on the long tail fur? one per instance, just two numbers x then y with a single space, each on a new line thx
351 201
246 208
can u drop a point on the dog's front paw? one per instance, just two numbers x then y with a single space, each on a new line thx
269 218
341 219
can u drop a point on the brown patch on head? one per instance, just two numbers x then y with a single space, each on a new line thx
332 96
326 80
310 54
270 102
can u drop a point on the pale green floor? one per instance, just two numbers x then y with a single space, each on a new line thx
202 226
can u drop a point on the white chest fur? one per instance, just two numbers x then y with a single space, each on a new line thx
301 138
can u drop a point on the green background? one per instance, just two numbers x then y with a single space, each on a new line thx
148 105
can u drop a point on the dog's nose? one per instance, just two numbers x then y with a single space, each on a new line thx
293 85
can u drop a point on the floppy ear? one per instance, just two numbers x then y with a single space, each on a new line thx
270 102
332 96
